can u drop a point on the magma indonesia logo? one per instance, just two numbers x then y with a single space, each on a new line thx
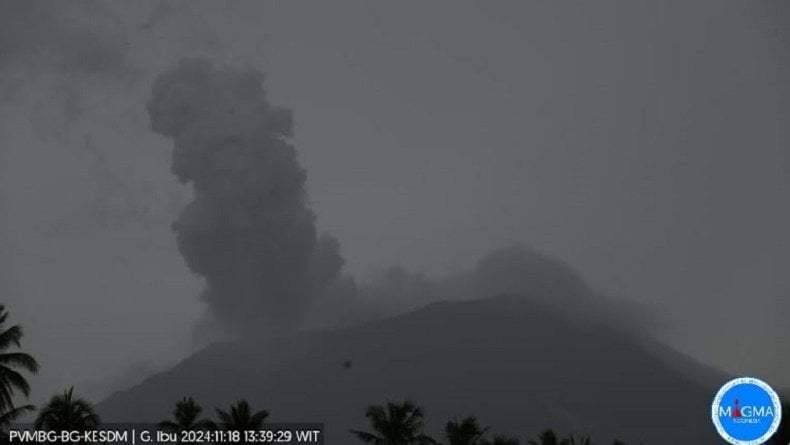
746 411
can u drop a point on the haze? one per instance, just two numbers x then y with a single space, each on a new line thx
643 143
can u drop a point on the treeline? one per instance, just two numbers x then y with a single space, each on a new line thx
390 424
393 423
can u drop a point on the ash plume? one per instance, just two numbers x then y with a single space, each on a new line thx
251 234
249 230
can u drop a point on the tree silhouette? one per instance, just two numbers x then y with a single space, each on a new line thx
240 417
65 412
11 363
395 424
185 416
467 431
502 440
548 437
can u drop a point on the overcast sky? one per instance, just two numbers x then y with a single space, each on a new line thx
643 142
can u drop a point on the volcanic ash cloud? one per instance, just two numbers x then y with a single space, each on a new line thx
249 231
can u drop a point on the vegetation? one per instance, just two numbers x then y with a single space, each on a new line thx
240 417
464 432
185 417
503 440
395 424
12 365
402 424
64 412
390 424
548 437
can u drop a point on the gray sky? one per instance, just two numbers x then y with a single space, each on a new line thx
641 142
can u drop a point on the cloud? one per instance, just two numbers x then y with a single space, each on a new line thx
515 270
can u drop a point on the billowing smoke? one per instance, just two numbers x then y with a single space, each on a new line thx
249 231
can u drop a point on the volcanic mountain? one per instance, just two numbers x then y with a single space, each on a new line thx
518 365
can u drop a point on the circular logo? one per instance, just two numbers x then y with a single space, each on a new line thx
746 411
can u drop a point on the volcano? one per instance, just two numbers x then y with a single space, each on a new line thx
517 365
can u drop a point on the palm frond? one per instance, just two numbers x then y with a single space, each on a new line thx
13 380
20 360
11 337
395 423
258 418
367 437
224 417
64 411
14 413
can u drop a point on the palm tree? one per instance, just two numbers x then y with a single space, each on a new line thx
395 424
65 412
464 432
11 363
503 440
240 417
186 415
548 437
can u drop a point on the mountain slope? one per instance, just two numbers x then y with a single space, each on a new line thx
518 366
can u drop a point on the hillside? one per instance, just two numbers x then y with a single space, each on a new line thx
518 366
